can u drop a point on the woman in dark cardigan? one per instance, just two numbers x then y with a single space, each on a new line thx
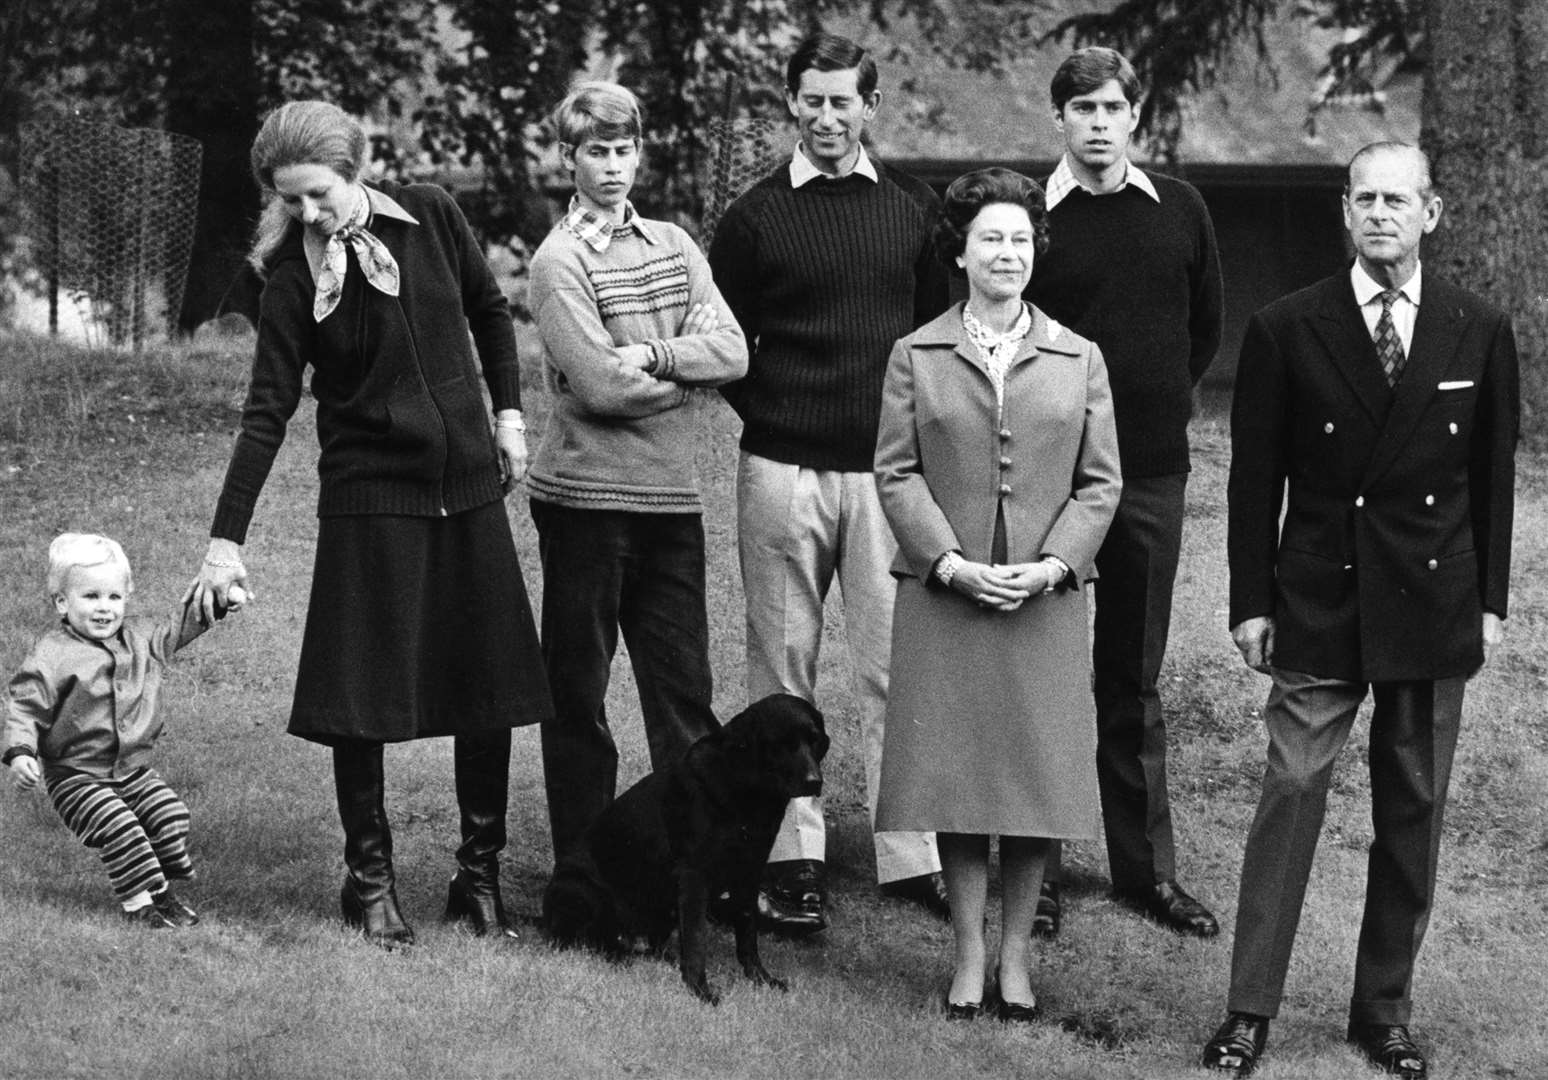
418 623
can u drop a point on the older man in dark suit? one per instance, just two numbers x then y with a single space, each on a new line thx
1385 401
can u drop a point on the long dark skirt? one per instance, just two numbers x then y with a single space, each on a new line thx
417 626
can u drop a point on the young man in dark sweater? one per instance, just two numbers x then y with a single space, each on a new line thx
826 262
1133 266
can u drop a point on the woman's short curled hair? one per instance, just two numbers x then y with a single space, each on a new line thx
71 550
971 192
598 110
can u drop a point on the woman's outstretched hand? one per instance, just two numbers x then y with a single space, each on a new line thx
222 581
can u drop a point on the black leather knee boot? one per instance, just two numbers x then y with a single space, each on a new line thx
482 765
368 899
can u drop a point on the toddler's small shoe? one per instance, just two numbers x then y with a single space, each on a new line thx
174 910
149 918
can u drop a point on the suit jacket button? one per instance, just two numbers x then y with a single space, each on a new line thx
1432 564
1005 489
1328 427
1359 500
1429 500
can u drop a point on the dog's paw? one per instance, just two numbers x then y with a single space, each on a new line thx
703 990
761 977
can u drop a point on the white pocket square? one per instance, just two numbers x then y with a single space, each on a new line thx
1460 384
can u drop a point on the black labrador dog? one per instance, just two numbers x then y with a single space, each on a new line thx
691 832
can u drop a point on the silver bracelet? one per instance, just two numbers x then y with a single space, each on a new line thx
517 424
947 565
223 564
1061 571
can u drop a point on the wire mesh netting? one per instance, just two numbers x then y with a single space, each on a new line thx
742 152
110 214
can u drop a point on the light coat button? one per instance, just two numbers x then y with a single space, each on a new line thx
1429 500
1453 426
1328 427
1005 463
1005 489
1432 564
1005 433
1359 500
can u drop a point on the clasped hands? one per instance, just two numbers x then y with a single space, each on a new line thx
1002 588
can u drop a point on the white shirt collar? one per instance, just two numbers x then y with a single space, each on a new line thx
802 171
1366 288
1063 181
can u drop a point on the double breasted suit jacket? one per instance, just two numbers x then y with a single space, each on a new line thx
1397 502
947 463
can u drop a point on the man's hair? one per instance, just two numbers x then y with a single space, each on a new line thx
70 550
970 193
1087 70
1426 186
830 52
598 110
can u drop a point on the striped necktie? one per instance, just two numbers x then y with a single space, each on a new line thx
1389 347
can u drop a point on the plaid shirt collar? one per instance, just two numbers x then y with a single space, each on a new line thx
596 231
1063 181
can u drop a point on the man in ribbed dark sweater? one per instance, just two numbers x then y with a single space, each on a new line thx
1133 266
826 262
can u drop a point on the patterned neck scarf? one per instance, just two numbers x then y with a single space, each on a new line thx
376 262
997 350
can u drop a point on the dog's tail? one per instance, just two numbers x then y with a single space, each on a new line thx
578 909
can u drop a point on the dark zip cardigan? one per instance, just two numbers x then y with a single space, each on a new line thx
401 420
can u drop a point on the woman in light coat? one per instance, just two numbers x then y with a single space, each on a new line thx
997 467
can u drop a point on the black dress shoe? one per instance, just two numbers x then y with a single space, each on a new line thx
792 897
1049 916
1389 1048
1173 908
926 890
174 910
1237 1045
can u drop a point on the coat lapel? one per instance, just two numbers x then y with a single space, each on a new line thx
1341 327
1437 330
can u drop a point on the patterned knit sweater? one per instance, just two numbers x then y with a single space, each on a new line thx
618 439
824 279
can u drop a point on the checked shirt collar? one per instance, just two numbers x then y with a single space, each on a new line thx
596 231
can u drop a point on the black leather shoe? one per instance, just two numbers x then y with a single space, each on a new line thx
1049 916
1237 1045
1389 1048
926 890
792 898
174 910
477 904
1173 908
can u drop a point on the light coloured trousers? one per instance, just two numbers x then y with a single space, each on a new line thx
797 529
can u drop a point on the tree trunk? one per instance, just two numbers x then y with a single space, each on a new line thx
212 95
1485 127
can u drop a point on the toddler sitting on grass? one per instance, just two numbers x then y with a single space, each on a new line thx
83 718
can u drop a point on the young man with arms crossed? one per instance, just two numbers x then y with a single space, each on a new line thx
826 263
1133 266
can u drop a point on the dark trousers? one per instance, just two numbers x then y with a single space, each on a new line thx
1136 568
1413 739
605 571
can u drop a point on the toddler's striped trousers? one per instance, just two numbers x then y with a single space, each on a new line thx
138 826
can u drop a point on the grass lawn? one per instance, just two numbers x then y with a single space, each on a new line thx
270 984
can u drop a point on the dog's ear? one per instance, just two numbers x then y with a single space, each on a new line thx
821 725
